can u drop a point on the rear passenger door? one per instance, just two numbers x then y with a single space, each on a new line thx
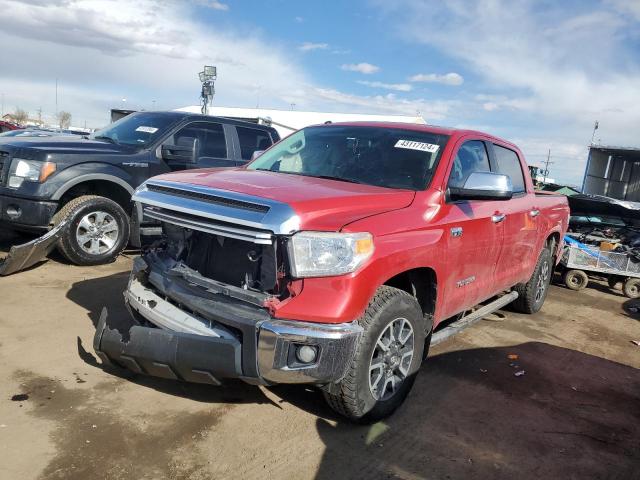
251 140
518 256
473 237
214 146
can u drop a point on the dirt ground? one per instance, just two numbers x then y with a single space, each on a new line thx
575 413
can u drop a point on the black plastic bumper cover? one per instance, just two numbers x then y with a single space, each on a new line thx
174 355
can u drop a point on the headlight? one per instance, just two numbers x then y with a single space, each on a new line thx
31 170
323 254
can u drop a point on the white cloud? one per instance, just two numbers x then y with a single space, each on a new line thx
398 87
103 51
309 46
364 67
215 4
451 78
299 19
556 67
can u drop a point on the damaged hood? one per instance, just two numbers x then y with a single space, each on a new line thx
320 204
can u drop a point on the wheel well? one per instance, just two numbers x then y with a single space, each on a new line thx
552 242
104 188
422 284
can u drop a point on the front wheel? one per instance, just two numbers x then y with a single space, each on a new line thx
97 230
386 361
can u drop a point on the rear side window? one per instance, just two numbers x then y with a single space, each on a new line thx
509 164
471 157
252 139
210 137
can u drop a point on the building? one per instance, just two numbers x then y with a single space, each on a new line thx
288 121
613 172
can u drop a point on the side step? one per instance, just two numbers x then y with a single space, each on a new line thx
473 317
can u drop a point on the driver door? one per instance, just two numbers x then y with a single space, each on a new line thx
213 145
474 238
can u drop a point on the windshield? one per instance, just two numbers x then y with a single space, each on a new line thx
384 157
137 129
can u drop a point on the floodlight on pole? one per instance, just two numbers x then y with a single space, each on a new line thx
207 79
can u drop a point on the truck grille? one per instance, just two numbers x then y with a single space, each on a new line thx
208 198
207 225
4 165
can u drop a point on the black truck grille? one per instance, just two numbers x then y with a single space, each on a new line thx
4 167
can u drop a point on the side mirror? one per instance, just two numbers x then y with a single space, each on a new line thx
185 151
484 186
256 154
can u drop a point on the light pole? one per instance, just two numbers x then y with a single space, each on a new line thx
207 79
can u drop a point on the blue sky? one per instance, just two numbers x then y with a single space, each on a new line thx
536 72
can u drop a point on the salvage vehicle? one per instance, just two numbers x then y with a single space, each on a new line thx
330 259
86 183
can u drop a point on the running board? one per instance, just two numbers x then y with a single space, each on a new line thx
473 317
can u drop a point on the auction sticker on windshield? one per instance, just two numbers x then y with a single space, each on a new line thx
146 129
411 145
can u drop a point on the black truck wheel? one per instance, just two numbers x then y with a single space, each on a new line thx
97 230
386 361
576 279
533 293
631 287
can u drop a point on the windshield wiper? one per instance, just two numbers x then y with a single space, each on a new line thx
108 139
339 179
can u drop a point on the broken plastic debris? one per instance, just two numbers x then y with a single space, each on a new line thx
636 342
519 373
512 356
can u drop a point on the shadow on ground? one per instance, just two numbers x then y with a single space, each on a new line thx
570 415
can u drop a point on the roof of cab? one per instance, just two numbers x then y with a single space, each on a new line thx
438 130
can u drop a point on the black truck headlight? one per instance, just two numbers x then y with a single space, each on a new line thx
29 170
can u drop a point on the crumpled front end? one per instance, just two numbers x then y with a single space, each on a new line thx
201 302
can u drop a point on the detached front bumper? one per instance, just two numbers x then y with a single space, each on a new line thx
210 339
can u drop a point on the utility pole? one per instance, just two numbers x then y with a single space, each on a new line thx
40 116
595 127
546 167
56 99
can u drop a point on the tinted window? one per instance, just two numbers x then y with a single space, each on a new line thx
252 139
210 136
385 157
509 164
471 157
138 129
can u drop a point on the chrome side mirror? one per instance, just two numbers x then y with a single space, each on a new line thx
484 186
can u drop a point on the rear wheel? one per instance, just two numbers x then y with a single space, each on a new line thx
631 288
386 361
531 295
97 230
575 279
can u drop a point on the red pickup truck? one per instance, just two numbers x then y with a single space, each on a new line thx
331 258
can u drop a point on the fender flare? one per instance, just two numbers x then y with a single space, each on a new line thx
87 177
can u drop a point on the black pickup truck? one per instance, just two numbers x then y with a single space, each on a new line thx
78 190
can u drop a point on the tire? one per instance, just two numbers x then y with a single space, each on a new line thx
631 287
354 396
531 295
575 279
84 213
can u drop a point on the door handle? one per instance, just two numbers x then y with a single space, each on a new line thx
535 212
498 217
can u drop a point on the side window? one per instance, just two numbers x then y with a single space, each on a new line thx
472 157
210 137
509 164
252 139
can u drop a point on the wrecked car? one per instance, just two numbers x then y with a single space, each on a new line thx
330 259
85 183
